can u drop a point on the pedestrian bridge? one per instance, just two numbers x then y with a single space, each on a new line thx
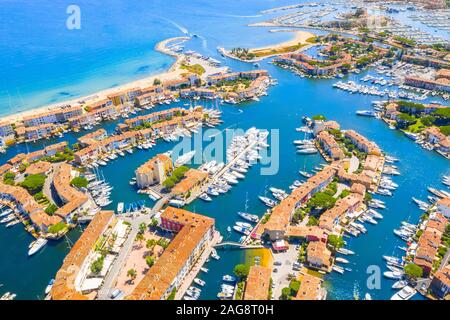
236 245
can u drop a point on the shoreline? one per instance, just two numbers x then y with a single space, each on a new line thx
174 72
300 37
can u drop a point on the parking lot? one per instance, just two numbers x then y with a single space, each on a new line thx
283 266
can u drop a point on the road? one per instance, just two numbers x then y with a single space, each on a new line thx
119 262
280 278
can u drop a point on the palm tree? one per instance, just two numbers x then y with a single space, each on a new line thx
132 274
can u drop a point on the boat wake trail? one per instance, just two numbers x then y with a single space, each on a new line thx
176 25
239 16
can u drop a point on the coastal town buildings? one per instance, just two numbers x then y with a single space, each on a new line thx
74 201
258 282
194 234
154 171
73 280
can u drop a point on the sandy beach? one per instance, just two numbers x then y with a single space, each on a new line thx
300 37
173 73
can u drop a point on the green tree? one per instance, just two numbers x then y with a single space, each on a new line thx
150 261
336 242
51 209
154 223
34 183
97 265
79 182
413 271
285 293
132 274
312 221
241 271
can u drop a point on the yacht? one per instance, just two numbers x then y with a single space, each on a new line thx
120 206
400 284
366 113
49 286
224 295
37 245
345 251
306 174
228 278
393 274
185 158
244 225
203 269
241 230
205 197
248 216
405 294
200 282
268 202
307 151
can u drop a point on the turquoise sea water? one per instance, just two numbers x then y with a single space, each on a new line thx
46 63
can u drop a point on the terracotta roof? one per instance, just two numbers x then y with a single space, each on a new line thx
258 283
72 198
309 287
38 167
192 178
64 286
161 275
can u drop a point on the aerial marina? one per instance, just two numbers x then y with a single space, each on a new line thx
279 165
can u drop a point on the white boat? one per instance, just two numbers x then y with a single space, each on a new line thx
224 295
120 206
400 284
241 230
405 294
345 251
307 151
185 158
37 245
248 216
228 278
200 282
49 286
244 225
203 269
393 274
12 223
205 197
338 269
391 259
366 113
342 260
268 202
177 203
306 174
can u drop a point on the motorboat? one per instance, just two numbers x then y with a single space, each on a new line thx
393 274
400 284
200 282
244 225
185 158
228 278
49 286
405 294
268 202
205 197
37 245
241 230
248 216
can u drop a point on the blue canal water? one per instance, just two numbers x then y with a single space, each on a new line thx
45 63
